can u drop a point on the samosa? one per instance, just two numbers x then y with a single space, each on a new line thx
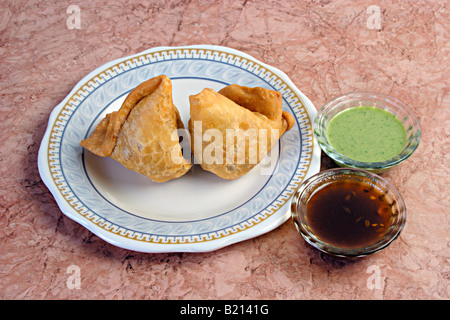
140 135
234 129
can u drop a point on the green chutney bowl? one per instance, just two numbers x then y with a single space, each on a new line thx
367 99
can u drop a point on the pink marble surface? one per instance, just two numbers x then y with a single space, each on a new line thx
326 47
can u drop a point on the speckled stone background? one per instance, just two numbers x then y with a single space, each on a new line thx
326 47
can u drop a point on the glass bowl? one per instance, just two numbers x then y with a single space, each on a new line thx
303 221
371 99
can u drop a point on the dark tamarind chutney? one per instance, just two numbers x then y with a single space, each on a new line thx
349 214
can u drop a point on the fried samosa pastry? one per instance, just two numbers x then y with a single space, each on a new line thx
140 134
234 129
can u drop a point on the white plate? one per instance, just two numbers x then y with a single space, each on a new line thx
199 211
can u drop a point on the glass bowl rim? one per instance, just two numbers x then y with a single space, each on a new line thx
330 249
407 151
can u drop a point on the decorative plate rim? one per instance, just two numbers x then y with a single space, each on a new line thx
132 240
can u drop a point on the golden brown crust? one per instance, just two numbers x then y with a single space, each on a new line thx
103 140
100 142
244 111
289 119
140 134
266 102
257 99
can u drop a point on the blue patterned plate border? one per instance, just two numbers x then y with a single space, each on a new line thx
62 166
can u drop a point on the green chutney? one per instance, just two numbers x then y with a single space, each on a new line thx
366 134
